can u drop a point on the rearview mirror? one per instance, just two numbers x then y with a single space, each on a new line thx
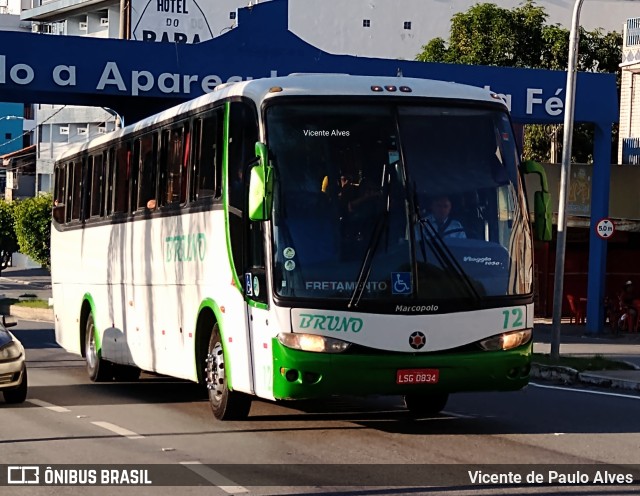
543 224
9 321
261 186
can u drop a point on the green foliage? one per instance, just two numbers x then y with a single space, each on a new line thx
33 228
490 35
8 239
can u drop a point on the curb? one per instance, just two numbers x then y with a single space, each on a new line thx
570 377
27 313
593 378
35 284
555 373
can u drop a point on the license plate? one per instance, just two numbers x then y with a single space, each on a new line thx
417 376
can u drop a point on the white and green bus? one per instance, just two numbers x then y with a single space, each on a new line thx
273 238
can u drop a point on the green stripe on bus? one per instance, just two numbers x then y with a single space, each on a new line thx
257 304
225 193
320 375
213 306
96 333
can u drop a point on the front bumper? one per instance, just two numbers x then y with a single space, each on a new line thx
318 375
11 373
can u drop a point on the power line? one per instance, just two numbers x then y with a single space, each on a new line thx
33 128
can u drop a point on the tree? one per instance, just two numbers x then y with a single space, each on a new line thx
33 228
490 35
8 240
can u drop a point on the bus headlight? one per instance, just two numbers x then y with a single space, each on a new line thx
10 351
312 342
506 341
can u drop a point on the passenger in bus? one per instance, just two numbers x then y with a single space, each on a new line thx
346 194
441 220
148 182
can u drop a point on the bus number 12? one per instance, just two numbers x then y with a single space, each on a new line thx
517 318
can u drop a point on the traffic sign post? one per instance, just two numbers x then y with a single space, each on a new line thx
605 228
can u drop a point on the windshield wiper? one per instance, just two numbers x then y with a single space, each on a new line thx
442 251
382 225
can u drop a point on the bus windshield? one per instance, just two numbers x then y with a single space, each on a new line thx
397 202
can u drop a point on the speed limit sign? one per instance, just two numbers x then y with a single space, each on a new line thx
605 228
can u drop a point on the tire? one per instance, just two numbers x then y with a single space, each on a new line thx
225 404
18 394
99 370
426 404
125 373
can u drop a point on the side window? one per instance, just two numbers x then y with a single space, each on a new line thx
132 176
108 158
206 168
174 160
60 184
69 190
97 186
87 187
121 178
76 190
147 181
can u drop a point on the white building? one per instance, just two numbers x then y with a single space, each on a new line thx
629 143
369 28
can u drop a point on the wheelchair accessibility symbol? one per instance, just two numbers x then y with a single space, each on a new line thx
401 282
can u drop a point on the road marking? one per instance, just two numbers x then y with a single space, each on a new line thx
458 415
217 479
48 406
118 430
603 393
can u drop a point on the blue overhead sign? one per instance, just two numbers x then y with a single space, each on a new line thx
137 78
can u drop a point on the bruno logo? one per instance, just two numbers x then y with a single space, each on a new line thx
330 323
189 248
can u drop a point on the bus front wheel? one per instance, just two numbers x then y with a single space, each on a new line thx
226 404
426 404
99 370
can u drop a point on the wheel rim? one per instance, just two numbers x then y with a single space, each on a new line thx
92 356
215 373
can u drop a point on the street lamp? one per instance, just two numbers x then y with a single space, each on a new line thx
11 117
119 120
565 171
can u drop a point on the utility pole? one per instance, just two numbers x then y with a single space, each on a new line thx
565 174
123 34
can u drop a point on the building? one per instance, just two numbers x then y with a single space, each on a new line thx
16 119
20 173
394 29
629 145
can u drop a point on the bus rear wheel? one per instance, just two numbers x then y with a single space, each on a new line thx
426 404
99 370
226 404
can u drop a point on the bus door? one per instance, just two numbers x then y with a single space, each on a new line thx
261 323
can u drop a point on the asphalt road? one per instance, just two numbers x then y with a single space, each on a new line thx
69 420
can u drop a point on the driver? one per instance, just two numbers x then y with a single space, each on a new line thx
441 220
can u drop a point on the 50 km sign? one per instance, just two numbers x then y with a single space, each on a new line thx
605 228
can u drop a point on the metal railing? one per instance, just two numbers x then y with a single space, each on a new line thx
633 31
631 151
